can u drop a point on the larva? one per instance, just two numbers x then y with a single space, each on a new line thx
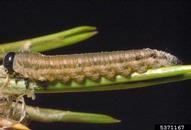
79 67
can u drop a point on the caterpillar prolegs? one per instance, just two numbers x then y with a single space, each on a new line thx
79 67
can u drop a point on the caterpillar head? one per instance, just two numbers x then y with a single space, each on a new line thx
8 62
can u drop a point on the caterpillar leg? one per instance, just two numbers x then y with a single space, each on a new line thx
29 92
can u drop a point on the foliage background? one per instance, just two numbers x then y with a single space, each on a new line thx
122 25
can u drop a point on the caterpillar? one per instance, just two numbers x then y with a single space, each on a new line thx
79 67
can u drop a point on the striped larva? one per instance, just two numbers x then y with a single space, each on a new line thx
79 67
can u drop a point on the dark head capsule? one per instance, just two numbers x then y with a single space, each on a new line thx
8 62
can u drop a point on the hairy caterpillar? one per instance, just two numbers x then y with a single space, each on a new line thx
79 67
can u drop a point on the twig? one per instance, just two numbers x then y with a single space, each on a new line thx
150 78
51 41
